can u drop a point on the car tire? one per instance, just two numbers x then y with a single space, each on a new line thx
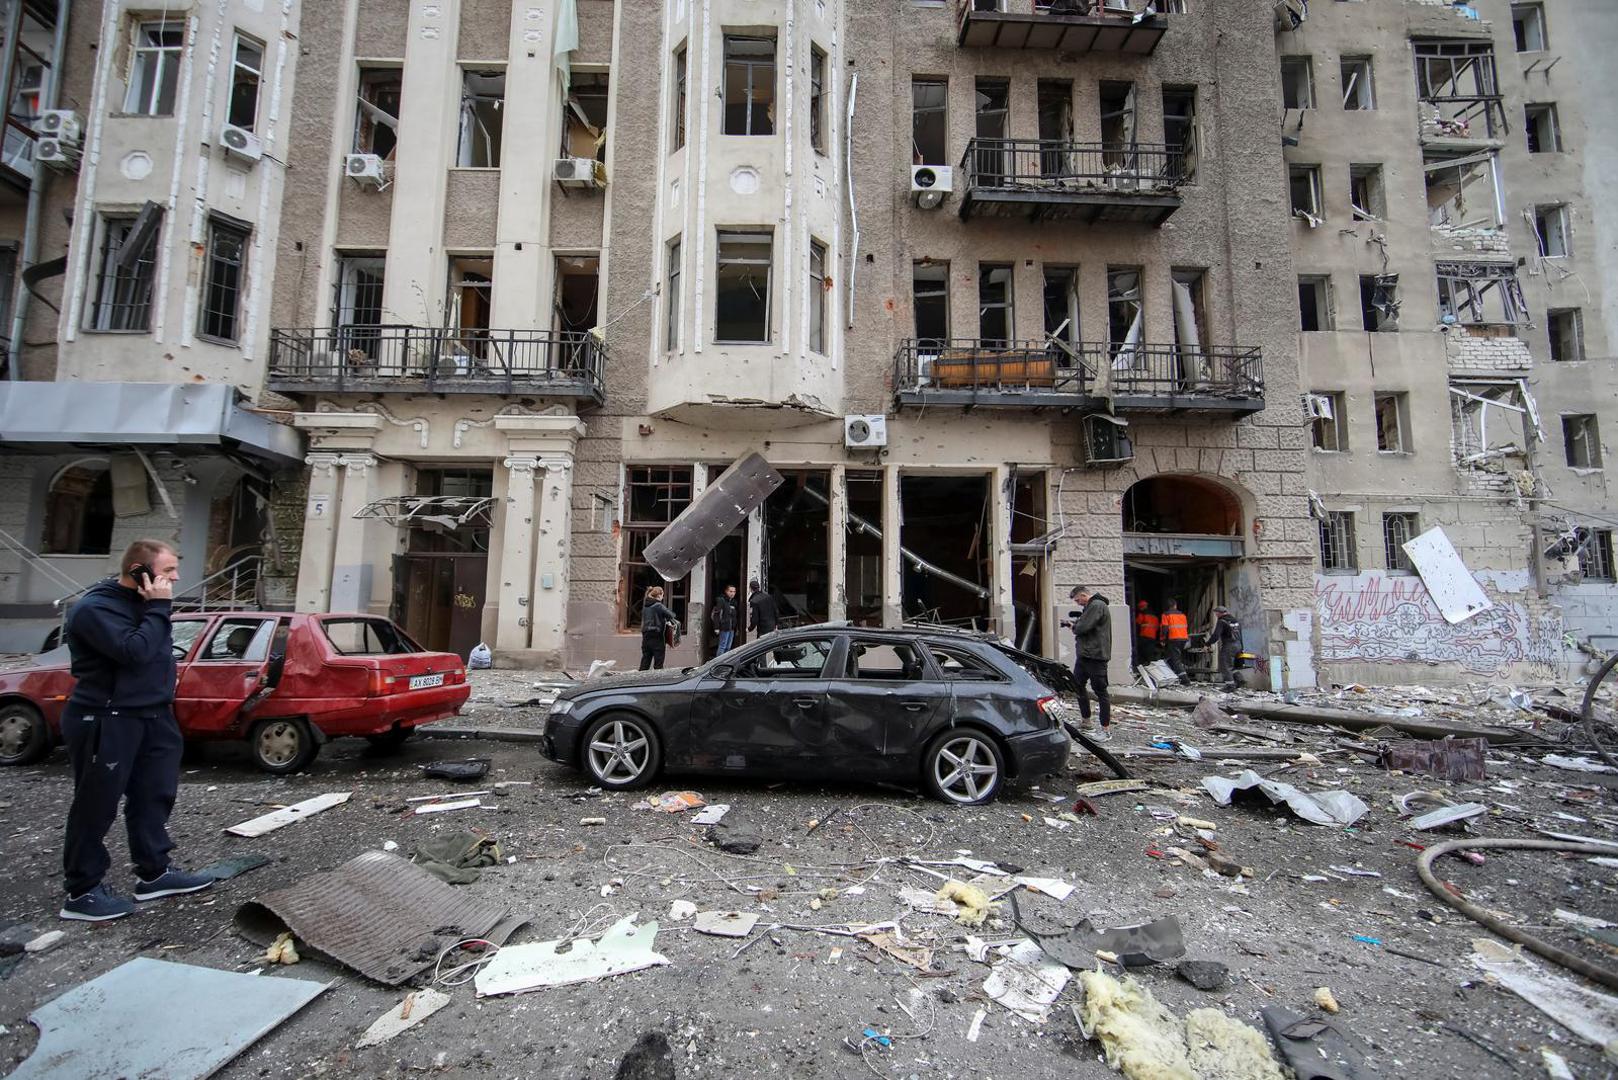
282 746
389 742
24 738
621 752
964 767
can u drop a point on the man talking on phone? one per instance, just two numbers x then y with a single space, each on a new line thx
121 734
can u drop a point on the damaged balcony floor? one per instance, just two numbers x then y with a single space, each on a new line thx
782 1007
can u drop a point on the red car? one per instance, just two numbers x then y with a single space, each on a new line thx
283 682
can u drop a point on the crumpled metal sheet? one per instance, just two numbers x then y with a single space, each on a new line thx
1447 759
712 516
1318 808
1076 946
378 914
159 1020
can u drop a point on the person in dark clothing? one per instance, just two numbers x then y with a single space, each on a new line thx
724 618
121 735
761 616
1092 633
1226 636
654 618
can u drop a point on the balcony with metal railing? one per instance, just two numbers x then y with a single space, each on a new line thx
1136 378
1055 180
416 359
1129 27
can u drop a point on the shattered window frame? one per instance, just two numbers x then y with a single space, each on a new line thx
1399 527
1297 82
1459 78
1596 562
1392 410
1324 316
1528 27
997 303
584 112
1304 179
1367 192
1471 402
1180 131
122 295
654 495
753 76
1379 303
1467 291
1451 211
929 120
1337 551
1564 330
1542 128
1581 441
1552 236
482 118
376 130
1358 76
681 75
1329 433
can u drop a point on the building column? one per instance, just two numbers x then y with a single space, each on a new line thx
515 616
352 551
552 549
697 608
319 533
837 545
892 561
1002 614
755 550
531 627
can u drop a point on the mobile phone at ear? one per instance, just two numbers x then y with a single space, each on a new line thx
142 575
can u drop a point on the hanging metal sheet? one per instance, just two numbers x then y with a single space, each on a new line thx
712 516
1451 585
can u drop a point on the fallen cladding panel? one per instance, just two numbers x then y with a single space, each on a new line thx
712 516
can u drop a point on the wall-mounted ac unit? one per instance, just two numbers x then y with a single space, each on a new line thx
1318 407
1106 441
365 169
240 143
862 432
576 172
62 125
930 183
57 154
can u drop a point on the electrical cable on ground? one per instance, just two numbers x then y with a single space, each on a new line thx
1554 953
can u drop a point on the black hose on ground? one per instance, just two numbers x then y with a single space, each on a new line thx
1555 954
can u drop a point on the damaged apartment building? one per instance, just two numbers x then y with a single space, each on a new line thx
1455 302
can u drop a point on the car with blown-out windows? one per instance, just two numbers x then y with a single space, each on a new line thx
284 683
960 715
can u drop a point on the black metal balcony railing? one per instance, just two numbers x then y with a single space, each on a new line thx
408 359
1070 26
1049 178
1038 373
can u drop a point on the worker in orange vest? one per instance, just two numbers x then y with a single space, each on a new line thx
1145 634
1175 630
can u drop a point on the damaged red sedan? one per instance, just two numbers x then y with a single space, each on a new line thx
284 683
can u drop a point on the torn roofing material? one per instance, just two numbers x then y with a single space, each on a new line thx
1453 588
712 516
1318 808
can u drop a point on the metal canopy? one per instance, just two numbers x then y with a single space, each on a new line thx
432 511
712 516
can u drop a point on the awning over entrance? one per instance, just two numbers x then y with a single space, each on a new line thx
51 415
1184 545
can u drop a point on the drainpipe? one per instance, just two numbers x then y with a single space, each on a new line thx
36 184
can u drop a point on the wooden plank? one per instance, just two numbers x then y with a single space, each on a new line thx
267 823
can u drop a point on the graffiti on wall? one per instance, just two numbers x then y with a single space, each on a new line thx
1390 619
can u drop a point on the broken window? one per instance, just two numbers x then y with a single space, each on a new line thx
1337 543
1528 26
742 304
1180 130
1379 302
79 515
1550 230
749 85
818 283
1490 423
1297 82
1315 303
994 305
154 73
671 292
1062 310
677 124
993 109
1329 423
817 100
1055 114
483 99
246 72
1596 555
1566 331
1544 130
929 285
358 299
1392 421
929 122
1118 127
1358 91
578 288
1463 190
1458 78
1582 441
123 286
1398 529
1366 194
376 116
467 307
1307 202
222 280
1125 315
1474 294
1190 320
584 115
655 495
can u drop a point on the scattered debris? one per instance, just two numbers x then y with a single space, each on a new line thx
1577 764
235 866
1203 974
1316 1049
971 903
712 815
518 969
1588 922
416 1007
447 795
1145 1041
1129 946
976 1027
282 950
651 1058
736 924
1053 887
737 838
1447 815
1326 1001
1097 788
681 910
445 807
672 802
592 821
1590 1015
1556 1066
455 857
917 956
45 942
1447 759
1319 808
286 815
1026 981
470 769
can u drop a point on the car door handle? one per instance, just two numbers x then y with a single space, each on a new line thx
805 702
915 706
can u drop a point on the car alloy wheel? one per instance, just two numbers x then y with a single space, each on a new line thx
619 752
966 769
22 735
280 742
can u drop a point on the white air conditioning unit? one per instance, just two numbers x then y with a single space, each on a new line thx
930 183
863 432
240 143
576 172
61 125
365 169
1318 407
1106 441
57 154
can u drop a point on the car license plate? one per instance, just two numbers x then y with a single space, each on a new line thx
422 682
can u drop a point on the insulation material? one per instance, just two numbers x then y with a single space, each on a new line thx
625 947
1143 1040
1451 585
971 903
130 497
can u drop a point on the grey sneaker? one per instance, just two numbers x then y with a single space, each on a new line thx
97 905
1102 734
171 882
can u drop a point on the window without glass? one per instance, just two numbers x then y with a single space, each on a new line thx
742 304
1297 82
1062 310
1337 543
1125 314
1180 129
677 125
1544 131
1190 312
817 100
671 333
123 284
994 305
1480 293
993 110
223 280
1596 555
1582 441
1398 529
483 99
1358 91
1528 26
246 72
1366 195
584 115
376 115
929 122
359 291
1379 302
78 512
154 72
1315 303
470 296
929 290
884 661
1054 107
1392 420
1550 222
749 85
1566 330
1329 428
654 496
817 296
1116 102
1307 200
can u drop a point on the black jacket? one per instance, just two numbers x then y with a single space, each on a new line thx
1092 630
653 617
761 612
724 614
1225 629
122 649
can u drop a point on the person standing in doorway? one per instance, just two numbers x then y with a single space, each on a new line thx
121 735
1092 633
654 619
1175 631
724 618
761 616
1145 634
1226 636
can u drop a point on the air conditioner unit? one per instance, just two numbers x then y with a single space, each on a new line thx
57 154
365 169
61 125
863 432
240 143
930 183
1106 441
1318 407
576 172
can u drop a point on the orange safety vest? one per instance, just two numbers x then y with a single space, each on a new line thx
1146 625
1175 627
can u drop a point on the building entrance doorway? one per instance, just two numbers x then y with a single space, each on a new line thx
440 582
727 565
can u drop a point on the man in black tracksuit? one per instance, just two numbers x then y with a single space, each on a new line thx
121 735
1092 633
1226 636
761 616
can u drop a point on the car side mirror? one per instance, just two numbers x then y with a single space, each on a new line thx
724 672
